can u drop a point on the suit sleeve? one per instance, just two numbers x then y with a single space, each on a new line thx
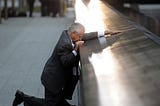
67 58
92 35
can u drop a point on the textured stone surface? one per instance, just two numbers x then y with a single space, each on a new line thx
121 70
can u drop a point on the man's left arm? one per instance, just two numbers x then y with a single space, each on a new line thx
92 35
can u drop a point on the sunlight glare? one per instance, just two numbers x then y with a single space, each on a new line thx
106 69
103 62
90 16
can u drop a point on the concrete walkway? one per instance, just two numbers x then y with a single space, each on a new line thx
25 45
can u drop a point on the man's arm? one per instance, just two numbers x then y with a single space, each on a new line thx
106 33
91 35
66 55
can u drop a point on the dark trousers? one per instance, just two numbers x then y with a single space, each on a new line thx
52 99
30 6
49 100
70 87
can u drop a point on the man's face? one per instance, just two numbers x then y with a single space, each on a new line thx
75 36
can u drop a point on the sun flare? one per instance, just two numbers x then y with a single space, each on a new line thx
90 15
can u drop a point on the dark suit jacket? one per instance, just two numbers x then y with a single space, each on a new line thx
58 69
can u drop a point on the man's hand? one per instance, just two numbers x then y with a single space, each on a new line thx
78 44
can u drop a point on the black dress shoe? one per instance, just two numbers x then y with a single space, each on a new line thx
18 98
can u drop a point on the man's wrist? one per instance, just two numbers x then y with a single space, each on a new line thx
76 49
